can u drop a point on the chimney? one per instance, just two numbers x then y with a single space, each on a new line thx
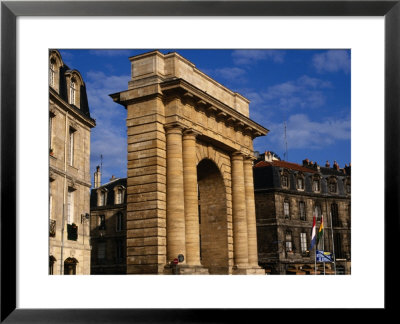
112 178
327 164
335 165
97 177
268 156
306 162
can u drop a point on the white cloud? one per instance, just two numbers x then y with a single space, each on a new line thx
304 133
332 61
305 92
251 56
230 74
109 135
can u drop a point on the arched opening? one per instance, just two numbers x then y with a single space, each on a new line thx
212 218
52 261
70 266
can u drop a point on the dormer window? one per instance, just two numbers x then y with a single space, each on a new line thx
332 185
52 72
316 185
348 186
55 62
72 91
285 181
102 197
300 182
119 193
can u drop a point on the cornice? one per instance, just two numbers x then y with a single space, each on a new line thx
204 101
70 109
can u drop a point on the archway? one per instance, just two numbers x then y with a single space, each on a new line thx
70 266
212 218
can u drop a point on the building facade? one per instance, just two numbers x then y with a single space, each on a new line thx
108 226
70 125
287 196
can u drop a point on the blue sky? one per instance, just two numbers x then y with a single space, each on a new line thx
308 89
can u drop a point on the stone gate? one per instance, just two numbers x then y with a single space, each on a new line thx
190 179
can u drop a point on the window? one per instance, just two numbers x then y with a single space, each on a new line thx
119 196
285 181
102 222
300 183
302 210
318 212
72 90
288 241
101 251
50 204
332 186
338 246
303 243
71 146
119 253
51 120
52 260
52 72
70 207
316 185
70 266
348 187
335 215
119 222
286 209
102 200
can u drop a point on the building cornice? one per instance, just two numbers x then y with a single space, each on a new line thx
213 106
88 121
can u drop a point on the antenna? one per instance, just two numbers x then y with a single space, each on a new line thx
101 163
286 149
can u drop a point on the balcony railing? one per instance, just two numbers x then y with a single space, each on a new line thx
52 228
72 231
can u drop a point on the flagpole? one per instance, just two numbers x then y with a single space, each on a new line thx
323 239
333 245
315 258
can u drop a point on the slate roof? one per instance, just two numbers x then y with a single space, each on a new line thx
267 176
63 92
110 193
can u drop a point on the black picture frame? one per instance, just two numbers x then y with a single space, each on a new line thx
10 10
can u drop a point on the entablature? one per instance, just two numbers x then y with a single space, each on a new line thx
203 101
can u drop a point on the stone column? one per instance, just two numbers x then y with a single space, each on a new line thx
191 198
175 193
251 212
240 236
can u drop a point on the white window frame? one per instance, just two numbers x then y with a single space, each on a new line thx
286 208
70 207
52 74
316 183
288 243
285 185
102 198
72 92
300 180
71 146
303 242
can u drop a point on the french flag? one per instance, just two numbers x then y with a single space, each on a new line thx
313 234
